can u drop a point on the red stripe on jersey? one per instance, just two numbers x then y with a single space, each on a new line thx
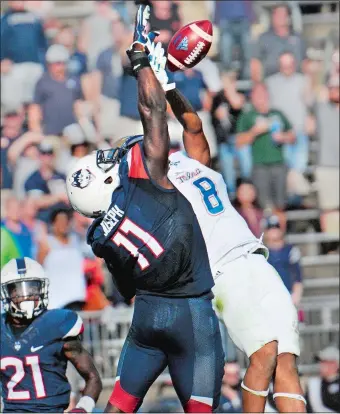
193 406
137 169
123 400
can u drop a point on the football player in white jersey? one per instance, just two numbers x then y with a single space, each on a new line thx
257 308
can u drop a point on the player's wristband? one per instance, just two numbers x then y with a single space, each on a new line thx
87 403
138 59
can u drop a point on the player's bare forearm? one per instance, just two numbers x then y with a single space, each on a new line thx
83 363
194 139
152 108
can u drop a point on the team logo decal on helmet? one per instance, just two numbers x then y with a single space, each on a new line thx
82 178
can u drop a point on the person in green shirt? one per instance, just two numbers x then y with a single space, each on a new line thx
266 129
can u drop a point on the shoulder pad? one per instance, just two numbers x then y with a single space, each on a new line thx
69 323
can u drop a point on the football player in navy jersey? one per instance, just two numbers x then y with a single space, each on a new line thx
36 345
151 241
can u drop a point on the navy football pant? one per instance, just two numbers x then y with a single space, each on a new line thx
180 333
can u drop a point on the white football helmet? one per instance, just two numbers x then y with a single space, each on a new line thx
24 288
92 180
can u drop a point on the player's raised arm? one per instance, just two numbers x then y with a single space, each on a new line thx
83 363
194 139
195 142
151 101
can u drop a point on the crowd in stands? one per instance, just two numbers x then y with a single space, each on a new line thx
66 90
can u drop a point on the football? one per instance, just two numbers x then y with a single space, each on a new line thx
189 45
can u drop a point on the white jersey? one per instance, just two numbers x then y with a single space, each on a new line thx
222 226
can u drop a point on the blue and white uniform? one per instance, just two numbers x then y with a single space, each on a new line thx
33 363
257 307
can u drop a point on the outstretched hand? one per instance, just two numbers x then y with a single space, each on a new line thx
141 33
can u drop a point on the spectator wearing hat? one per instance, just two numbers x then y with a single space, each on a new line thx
57 96
77 62
23 48
323 393
284 257
80 143
46 184
271 44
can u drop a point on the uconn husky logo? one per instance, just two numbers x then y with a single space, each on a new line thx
82 178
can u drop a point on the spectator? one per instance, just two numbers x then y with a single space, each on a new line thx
290 92
46 184
110 71
23 47
165 17
226 108
12 129
57 96
247 205
16 239
95 34
37 228
193 87
327 170
77 144
77 63
285 258
234 17
61 257
323 391
231 391
272 44
23 159
266 129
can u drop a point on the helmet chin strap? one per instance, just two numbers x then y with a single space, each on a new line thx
28 308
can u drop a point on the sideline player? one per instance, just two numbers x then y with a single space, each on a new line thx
258 310
36 344
150 238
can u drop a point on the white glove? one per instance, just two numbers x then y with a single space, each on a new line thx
157 63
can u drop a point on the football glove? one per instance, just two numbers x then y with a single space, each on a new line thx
157 63
140 35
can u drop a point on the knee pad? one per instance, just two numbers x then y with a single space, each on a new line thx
292 396
258 393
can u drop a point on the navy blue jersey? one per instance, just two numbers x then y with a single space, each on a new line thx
33 364
286 262
151 235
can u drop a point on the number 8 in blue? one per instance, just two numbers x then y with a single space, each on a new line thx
210 197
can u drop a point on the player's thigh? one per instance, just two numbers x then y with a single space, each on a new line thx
241 295
141 362
277 305
196 358
282 314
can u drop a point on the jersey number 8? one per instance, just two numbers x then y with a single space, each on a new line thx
209 194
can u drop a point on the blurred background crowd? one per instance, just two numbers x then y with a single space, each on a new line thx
268 96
